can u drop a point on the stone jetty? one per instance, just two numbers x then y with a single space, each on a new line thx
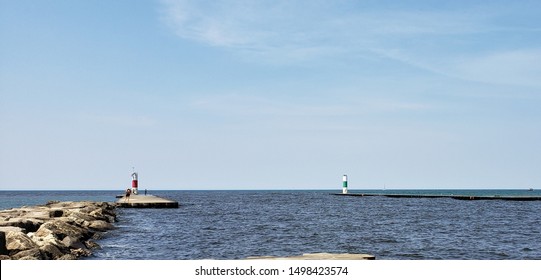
54 231
459 197
146 201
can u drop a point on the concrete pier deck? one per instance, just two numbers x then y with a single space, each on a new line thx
460 197
146 201
318 256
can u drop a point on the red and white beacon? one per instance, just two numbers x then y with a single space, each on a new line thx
134 183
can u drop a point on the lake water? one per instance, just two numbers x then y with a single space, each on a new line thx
239 224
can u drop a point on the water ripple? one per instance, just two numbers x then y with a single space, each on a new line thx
237 224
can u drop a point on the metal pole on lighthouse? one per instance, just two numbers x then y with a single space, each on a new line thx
134 182
345 184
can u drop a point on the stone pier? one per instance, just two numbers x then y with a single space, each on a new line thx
146 201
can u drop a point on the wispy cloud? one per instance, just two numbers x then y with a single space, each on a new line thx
517 67
262 24
292 25
433 40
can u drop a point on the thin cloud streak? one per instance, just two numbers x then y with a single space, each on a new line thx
251 24
518 67
287 33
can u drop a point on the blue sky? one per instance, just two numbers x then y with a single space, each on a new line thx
270 94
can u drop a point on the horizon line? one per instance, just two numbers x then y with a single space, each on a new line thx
287 189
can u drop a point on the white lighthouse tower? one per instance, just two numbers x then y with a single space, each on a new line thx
345 184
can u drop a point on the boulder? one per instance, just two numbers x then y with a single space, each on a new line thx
6 229
28 224
52 252
31 254
74 221
3 249
4 257
88 208
3 238
97 235
67 257
62 204
40 215
100 225
98 214
55 213
73 243
42 231
46 239
81 252
79 215
90 244
58 230
18 241
62 229
77 218
11 213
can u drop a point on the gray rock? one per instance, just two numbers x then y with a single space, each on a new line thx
3 249
8 214
4 257
79 215
105 214
28 224
42 232
6 229
68 257
62 229
57 230
100 225
81 252
97 235
55 213
31 254
98 214
52 252
88 209
110 218
90 244
72 242
18 241
36 214
47 239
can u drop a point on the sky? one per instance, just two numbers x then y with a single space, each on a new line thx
270 94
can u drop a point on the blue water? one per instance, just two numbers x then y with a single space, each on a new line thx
239 224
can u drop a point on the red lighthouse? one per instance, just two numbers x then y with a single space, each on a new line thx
134 183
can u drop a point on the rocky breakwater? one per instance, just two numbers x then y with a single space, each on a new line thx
55 231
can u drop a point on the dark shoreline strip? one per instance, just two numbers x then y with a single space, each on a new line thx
459 197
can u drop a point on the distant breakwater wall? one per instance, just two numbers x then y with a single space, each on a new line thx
459 197
54 231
